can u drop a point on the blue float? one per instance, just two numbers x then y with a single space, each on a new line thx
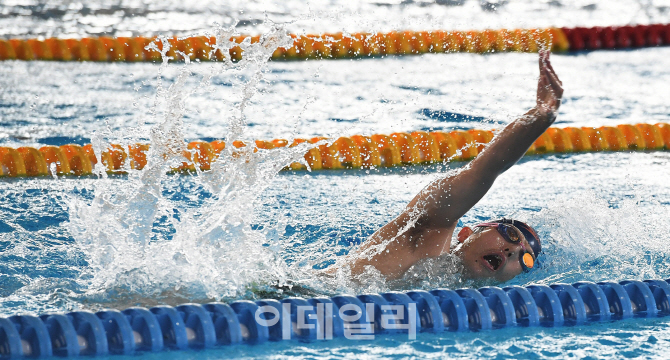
525 309
304 322
350 309
548 305
403 319
35 338
194 326
200 331
64 340
661 291
574 310
595 301
500 307
271 312
641 298
454 313
147 332
618 300
120 338
226 324
10 340
90 333
479 314
430 314
172 326
252 332
376 307
332 324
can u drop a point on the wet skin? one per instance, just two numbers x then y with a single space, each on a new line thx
425 228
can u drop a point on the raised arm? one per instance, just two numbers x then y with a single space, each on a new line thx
447 199
425 226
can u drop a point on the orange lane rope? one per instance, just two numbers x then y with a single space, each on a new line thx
358 151
324 46
344 46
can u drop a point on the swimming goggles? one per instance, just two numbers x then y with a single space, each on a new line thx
513 235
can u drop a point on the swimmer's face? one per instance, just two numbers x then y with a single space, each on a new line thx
487 255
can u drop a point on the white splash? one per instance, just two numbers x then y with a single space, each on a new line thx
587 238
213 251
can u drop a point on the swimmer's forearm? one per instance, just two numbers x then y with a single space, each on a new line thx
509 146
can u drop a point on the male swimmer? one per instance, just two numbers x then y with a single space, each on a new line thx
498 249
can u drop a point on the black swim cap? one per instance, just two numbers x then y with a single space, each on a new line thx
527 231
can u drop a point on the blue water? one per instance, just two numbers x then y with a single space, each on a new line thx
144 239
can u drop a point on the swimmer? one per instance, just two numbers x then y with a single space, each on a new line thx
498 249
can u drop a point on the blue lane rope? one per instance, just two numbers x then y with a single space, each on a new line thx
195 326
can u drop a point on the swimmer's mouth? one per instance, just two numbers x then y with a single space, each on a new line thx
493 261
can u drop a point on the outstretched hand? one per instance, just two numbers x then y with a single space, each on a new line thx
549 88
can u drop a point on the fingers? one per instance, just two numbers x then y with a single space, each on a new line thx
551 70
554 83
545 63
553 79
549 86
542 59
543 82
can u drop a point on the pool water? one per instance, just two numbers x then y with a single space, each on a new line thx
246 230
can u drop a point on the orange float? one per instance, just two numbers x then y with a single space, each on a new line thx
77 159
11 162
579 139
664 131
369 151
40 49
388 150
597 139
138 156
409 152
543 144
204 154
481 137
560 139
95 48
429 151
54 157
652 136
22 50
77 49
466 144
634 139
312 157
614 138
115 51
33 161
348 153
7 50
447 146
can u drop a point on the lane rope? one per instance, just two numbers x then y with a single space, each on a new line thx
202 326
343 46
355 152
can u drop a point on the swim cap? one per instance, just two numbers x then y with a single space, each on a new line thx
527 231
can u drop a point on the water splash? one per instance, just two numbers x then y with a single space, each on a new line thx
138 242
588 238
